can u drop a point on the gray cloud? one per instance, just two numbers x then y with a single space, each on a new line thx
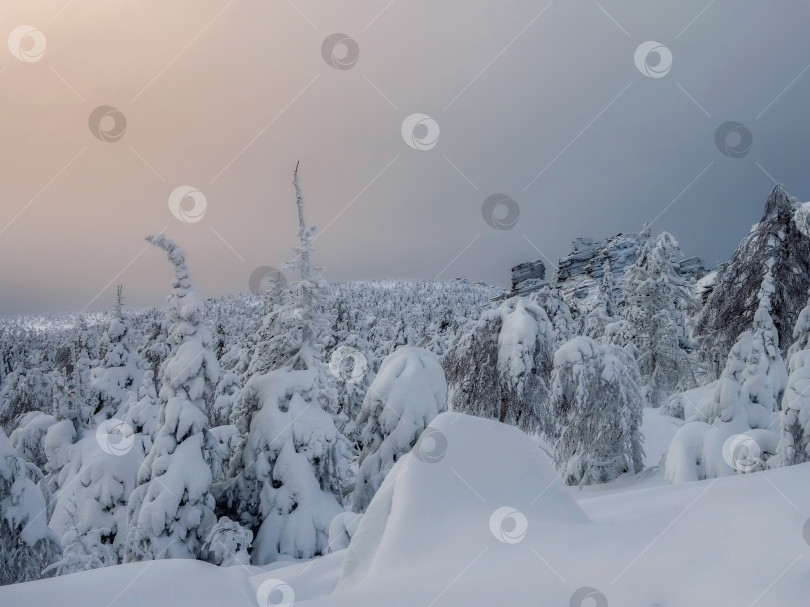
544 105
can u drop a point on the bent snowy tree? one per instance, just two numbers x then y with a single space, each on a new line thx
594 412
172 510
500 368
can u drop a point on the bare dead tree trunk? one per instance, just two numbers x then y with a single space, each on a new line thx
504 408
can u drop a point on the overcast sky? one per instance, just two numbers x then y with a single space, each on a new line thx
550 104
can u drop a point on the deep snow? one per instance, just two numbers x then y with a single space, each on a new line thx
485 520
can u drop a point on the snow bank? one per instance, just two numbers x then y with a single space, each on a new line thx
442 497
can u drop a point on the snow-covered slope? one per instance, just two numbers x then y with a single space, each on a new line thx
437 534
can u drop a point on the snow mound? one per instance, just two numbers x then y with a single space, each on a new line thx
468 481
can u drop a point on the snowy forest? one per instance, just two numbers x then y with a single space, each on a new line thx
405 304
266 428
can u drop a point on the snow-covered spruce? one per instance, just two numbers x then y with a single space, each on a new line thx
732 302
27 546
604 309
595 412
227 544
172 510
119 373
745 402
499 369
25 389
754 378
559 314
408 393
794 442
352 376
289 476
655 301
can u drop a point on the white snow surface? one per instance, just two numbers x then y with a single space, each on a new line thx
426 539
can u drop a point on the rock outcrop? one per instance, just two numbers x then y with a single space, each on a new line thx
527 277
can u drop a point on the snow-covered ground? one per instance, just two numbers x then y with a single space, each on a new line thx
479 517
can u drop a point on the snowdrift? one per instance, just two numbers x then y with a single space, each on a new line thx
442 498
475 515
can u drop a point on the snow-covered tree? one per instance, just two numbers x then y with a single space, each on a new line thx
29 436
83 549
352 376
79 385
777 243
655 300
595 412
118 374
408 393
227 544
27 546
500 368
290 473
753 381
604 310
226 395
26 389
156 347
794 442
172 510
558 312
743 408
142 413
